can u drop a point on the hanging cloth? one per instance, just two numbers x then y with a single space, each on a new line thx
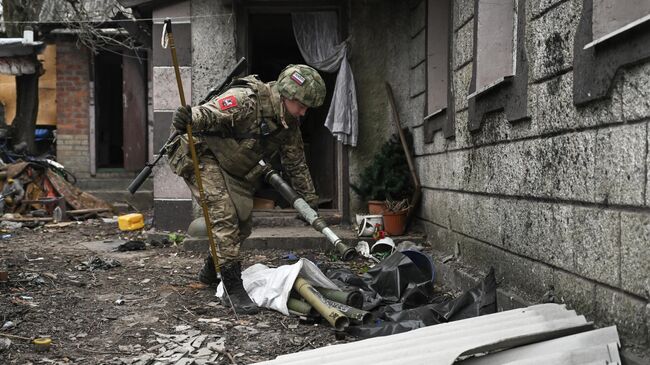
319 43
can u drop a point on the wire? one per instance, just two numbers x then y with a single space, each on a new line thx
190 17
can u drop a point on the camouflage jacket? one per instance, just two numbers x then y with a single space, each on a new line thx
248 122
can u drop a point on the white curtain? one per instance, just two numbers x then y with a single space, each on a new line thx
318 39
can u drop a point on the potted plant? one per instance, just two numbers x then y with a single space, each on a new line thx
395 216
387 177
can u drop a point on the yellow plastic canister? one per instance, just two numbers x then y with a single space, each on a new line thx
130 222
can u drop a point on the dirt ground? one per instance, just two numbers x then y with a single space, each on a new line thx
115 315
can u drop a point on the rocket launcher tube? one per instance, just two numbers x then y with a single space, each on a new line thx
310 215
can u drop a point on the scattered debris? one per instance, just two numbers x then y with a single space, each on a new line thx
132 246
5 344
98 263
179 349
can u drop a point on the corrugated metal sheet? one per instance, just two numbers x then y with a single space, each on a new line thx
537 329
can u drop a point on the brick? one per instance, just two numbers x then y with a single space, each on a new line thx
439 239
549 40
620 164
635 256
624 311
477 216
416 111
576 292
463 45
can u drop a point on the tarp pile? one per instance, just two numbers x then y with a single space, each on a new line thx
398 293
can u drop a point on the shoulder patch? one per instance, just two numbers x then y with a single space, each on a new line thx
227 102
298 78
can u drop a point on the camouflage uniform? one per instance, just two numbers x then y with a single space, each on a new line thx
234 131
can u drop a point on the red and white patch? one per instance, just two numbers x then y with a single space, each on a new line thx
298 78
227 102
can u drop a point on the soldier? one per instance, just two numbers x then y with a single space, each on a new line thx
248 122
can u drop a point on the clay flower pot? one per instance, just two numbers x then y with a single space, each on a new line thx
376 207
395 222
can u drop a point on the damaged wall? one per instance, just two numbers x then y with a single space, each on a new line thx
558 201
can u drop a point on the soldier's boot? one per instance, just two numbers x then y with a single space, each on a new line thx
208 275
231 275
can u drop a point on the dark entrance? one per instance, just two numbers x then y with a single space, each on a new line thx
272 46
108 110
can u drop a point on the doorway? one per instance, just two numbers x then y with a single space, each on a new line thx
271 47
120 111
108 110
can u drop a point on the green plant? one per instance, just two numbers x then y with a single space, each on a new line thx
388 176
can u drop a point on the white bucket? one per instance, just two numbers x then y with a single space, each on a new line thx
367 224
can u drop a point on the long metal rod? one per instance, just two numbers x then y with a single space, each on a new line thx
195 163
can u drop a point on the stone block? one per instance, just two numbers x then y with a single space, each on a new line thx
439 239
533 279
624 311
416 108
462 80
215 56
620 164
162 122
172 215
560 167
182 41
418 18
636 92
417 50
537 7
635 255
539 231
553 110
436 206
463 45
477 216
576 292
165 91
167 185
595 234
462 130
550 41
463 11
418 78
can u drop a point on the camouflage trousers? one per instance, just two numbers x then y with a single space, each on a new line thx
230 204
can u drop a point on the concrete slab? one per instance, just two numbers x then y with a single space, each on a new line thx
292 238
103 245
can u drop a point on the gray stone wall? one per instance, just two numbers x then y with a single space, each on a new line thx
559 201
380 54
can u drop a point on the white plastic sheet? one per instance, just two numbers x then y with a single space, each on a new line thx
318 40
270 287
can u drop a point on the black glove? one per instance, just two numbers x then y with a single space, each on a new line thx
182 117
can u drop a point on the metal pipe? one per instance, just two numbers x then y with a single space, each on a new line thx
353 298
300 307
334 316
310 215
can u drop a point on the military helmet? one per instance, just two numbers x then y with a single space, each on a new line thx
302 83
